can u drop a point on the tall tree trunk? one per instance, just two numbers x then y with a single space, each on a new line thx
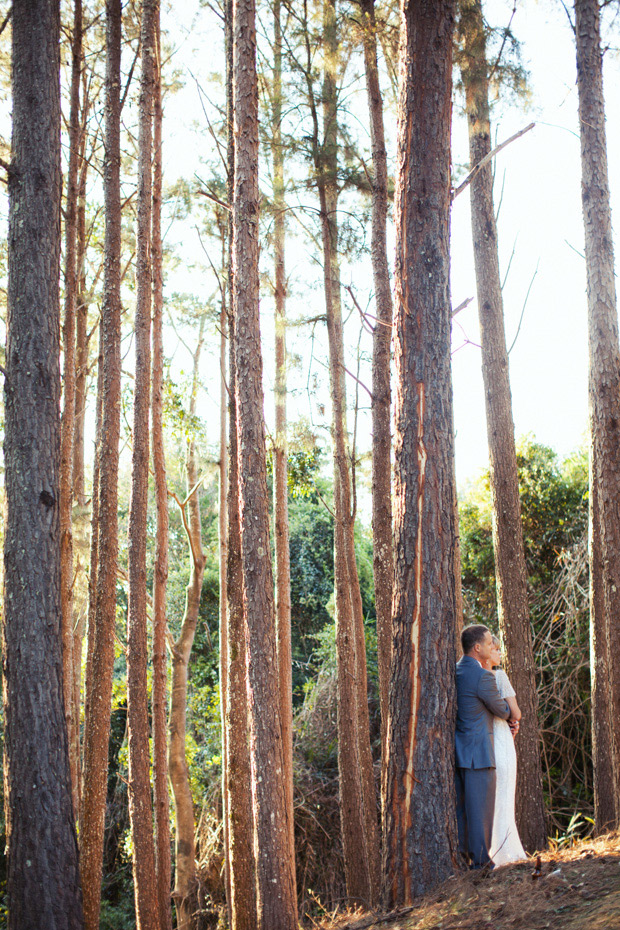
280 470
357 791
510 568
160 575
42 870
101 628
420 845
186 886
140 807
68 413
237 767
275 861
383 554
604 372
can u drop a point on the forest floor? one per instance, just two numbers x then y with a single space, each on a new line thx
578 888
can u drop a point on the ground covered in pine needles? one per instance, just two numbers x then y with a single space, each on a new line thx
577 888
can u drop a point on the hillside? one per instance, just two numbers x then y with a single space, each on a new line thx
578 889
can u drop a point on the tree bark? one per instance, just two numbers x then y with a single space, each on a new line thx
42 870
101 632
81 322
275 863
357 791
280 469
383 553
160 575
602 774
510 568
186 881
420 844
237 767
140 807
68 413
604 372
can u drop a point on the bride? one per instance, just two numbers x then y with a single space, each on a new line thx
505 843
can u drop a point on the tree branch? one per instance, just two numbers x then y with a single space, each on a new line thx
487 158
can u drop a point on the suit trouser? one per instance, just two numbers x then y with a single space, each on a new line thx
475 804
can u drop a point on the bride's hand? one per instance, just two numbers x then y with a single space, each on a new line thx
514 727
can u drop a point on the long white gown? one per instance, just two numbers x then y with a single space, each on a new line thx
505 843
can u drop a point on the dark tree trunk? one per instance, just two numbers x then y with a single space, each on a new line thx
101 629
160 578
604 371
419 818
275 864
42 874
383 554
68 413
510 568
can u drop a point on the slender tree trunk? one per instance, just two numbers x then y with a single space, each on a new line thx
81 323
604 379
186 886
238 773
510 568
160 575
280 470
140 807
420 847
42 870
357 791
68 414
94 539
100 662
275 861
383 554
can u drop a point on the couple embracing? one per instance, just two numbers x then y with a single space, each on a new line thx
486 764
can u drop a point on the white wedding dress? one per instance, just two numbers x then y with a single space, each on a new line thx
505 844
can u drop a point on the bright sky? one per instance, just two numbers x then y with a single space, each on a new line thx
540 224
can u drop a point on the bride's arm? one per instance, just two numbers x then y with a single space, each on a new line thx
515 711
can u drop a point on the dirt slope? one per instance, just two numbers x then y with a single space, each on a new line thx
577 889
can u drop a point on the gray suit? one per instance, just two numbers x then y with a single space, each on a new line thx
478 701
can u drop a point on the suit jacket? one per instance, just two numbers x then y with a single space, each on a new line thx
477 702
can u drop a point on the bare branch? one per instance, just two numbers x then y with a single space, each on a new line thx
487 158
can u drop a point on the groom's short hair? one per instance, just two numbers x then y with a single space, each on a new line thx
472 634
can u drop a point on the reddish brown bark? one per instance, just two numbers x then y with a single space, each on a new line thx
604 365
160 576
68 413
140 807
419 817
510 568
81 310
42 864
100 662
275 868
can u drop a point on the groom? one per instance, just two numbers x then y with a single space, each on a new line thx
478 701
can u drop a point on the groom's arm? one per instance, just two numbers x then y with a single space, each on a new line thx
490 696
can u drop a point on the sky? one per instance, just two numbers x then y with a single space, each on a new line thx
540 232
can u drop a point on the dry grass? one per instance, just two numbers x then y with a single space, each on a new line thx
578 889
